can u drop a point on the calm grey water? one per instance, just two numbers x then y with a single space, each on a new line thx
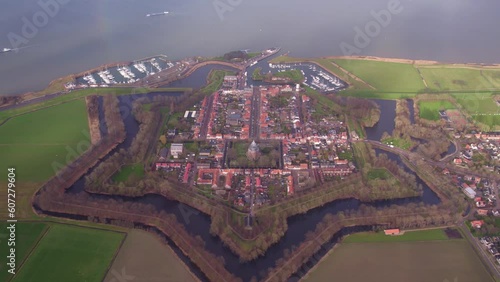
87 33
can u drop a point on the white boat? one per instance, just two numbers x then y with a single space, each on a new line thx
155 64
5 50
157 14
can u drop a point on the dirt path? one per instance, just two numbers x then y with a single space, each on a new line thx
420 73
93 118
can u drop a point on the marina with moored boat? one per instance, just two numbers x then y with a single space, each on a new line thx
315 77
122 73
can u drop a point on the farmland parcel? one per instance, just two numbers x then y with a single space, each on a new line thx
147 259
33 141
27 235
70 253
427 256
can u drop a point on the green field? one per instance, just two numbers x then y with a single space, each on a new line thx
477 103
493 76
481 106
421 235
492 121
32 142
145 258
445 260
71 253
385 76
27 234
430 109
129 173
378 173
449 78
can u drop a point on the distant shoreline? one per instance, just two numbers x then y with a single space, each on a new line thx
416 62
58 83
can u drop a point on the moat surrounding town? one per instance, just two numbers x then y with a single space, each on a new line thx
265 162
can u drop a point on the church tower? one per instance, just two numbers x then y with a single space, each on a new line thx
253 152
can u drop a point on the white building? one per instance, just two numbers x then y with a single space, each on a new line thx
176 149
470 192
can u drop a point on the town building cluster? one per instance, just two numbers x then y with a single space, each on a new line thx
480 149
256 145
491 243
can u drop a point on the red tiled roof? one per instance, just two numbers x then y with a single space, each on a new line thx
391 231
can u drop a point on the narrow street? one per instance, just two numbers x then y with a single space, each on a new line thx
255 115
206 118
254 135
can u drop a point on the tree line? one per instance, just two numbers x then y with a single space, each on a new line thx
98 180
121 211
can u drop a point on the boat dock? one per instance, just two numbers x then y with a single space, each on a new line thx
152 71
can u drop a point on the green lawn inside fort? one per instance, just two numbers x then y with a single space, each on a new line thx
33 141
70 253
129 172
268 156
378 173
415 256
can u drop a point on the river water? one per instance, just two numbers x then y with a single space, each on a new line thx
386 122
83 34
